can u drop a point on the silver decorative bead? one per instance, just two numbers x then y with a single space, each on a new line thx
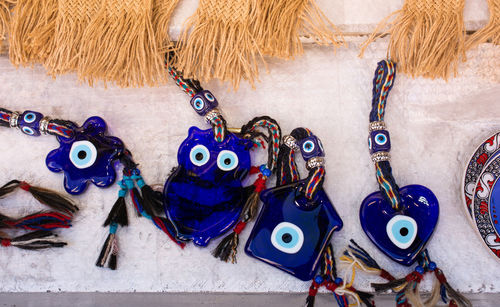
291 142
13 120
315 162
374 126
44 125
212 114
381 156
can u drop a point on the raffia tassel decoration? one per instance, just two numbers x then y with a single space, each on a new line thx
491 31
31 30
5 7
72 19
280 23
427 37
162 13
119 46
218 42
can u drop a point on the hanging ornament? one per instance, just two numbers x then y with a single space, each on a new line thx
400 221
481 193
204 196
297 219
87 154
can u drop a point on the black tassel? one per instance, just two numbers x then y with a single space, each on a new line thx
118 213
389 285
366 298
9 187
105 251
37 240
151 200
226 247
146 206
310 301
112 261
50 198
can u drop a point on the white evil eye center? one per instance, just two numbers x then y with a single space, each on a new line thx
198 104
29 117
402 231
227 160
82 154
210 97
308 146
381 139
287 238
320 145
28 130
199 155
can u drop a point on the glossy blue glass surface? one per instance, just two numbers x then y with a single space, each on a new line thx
403 234
311 147
29 122
291 236
88 156
204 196
379 140
203 102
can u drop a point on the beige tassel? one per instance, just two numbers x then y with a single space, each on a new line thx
73 18
427 37
31 30
5 8
162 12
491 31
280 23
218 42
119 46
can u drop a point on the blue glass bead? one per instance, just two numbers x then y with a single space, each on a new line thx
265 171
290 236
432 266
419 269
311 147
338 281
203 102
318 279
87 156
379 140
402 234
29 123
204 196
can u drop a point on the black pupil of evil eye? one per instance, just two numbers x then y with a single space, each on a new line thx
286 238
82 154
227 161
199 156
403 231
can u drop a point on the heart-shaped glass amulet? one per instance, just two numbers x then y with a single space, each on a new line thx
401 234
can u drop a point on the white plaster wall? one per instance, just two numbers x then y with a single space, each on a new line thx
434 125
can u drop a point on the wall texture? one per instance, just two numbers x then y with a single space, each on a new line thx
435 126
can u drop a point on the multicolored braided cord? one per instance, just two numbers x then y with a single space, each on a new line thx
383 81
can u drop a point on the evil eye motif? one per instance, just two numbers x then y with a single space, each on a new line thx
209 96
204 196
227 160
83 154
29 117
86 157
203 102
402 231
28 130
287 238
308 146
381 139
198 104
199 155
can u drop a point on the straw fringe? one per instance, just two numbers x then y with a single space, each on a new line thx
31 30
218 43
74 16
162 13
427 37
119 46
5 11
280 23
491 32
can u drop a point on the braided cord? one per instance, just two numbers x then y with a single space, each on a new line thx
61 128
275 138
315 182
219 127
5 117
181 82
383 81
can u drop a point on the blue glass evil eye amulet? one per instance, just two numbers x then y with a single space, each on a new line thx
87 156
401 234
204 196
291 235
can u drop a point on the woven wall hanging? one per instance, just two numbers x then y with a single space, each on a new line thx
125 42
